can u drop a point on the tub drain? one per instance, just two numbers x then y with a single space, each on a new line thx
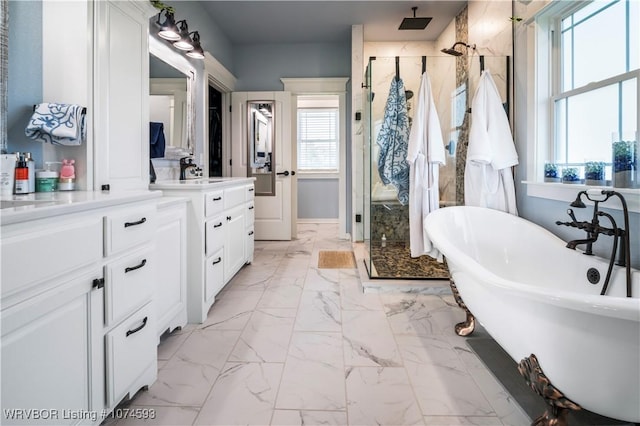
593 276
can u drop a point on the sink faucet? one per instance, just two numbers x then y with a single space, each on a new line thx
185 163
593 229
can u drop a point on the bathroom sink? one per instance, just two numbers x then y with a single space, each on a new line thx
7 204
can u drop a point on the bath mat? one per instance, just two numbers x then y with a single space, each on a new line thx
336 259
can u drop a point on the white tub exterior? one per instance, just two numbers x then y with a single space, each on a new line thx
531 294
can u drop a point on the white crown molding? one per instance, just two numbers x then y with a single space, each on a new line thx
219 73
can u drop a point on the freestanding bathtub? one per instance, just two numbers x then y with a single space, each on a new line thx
532 295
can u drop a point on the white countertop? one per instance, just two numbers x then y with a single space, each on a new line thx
22 208
201 184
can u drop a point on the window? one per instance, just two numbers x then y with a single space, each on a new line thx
594 80
318 139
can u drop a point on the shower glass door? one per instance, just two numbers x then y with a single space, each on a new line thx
453 80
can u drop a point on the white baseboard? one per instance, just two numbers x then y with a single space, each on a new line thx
333 220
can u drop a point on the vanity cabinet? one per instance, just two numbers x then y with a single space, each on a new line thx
52 352
130 278
102 64
234 243
218 244
52 317
249 222
170 299
78 323
121 94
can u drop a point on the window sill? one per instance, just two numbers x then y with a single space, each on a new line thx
318 175
568 193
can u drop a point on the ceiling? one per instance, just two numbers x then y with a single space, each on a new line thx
329 21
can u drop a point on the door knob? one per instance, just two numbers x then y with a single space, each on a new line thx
286 173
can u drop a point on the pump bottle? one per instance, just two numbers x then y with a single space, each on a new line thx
22 176
31 165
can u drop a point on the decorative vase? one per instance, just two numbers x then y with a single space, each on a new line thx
570 175
594 173
551 173
625 164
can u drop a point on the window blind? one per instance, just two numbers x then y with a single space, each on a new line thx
318 139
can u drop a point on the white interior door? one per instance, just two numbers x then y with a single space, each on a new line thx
273 213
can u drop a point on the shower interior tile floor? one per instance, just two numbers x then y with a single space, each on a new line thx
287 343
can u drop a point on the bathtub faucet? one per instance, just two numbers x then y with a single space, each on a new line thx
593 229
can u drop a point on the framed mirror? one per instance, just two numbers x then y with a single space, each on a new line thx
168 102
261 145
171 103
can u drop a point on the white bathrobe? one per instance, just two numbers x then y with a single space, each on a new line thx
488 181
425 155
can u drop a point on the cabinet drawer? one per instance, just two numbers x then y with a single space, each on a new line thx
129 283
128 228
250 192
250 214
234 196
214 234
131 347
250 244
214 275
48 251
213 202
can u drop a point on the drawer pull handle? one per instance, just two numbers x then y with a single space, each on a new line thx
218 260
251 233
251 208
251 189
133 268
135 330
217 199
228 217
140 222
98 283
218 225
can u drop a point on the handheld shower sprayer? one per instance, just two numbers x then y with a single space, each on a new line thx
452 50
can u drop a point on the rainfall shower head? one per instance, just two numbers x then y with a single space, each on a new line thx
452 50
414 23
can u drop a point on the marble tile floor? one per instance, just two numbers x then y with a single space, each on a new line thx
287 343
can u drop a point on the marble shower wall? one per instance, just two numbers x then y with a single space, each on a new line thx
441 70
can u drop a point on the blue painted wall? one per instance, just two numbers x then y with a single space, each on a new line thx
25 74
317 198
260 66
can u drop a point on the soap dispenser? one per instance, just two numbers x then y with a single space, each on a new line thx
67 180
22 176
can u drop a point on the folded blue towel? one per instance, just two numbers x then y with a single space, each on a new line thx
156 140
58 124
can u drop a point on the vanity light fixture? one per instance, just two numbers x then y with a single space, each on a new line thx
178 33
185 41
197 51
168 29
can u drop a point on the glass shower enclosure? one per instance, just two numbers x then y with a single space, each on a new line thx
386 218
